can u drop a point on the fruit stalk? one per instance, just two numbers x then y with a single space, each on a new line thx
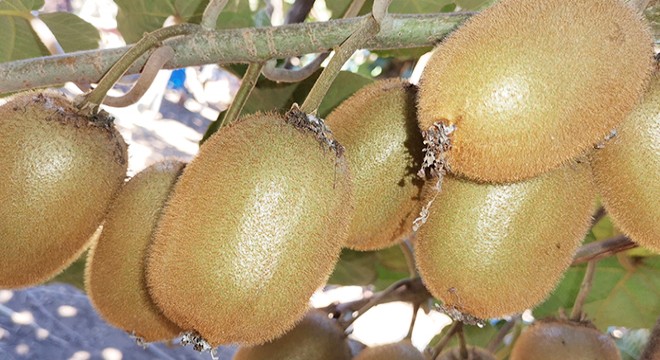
94 98
585 288
211 13
369 26
247 85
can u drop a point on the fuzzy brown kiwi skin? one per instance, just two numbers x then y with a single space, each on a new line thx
59 170
114 273
490 250
315 337
554 339
525 99
652 350
402 350
378 128
474 353
627 169
238 261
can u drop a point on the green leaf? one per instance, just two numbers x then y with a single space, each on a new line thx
18 39
74 274
135 17
72 32
620 296
474 5
392 258
20 5
418 6
342 88
354 268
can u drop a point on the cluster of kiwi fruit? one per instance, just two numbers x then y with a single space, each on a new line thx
231 246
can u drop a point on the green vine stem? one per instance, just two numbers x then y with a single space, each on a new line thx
433 352
273 73
585 288
461 341
211 13
233 46
157 59
369 27
247 85
94 98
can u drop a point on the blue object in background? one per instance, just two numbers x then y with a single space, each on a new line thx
177 79
57 322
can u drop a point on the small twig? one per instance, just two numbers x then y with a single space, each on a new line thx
501 334
95 97
412 321
369 27
461 342
600 249
155 63
585 287
247 84
376 300
413 292
598 216
211 13
440 345
299 11
406 249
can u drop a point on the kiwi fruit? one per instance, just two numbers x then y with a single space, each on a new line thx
315 337
474 353
529 85
253 227
489 250
626 171
114 276
562 339
402 350
59 170
378 128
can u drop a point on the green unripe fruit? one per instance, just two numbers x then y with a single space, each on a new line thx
490 250
402 350
530 85
114 277
253 227
315 337
561 340
59 170
627 172
378 128
474 353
